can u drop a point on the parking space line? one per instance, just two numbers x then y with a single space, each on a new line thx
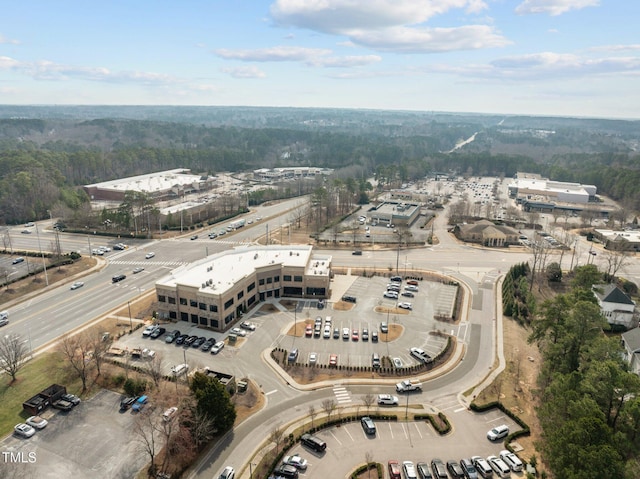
334 436
418 429
391 431
349 434
499 418
406 433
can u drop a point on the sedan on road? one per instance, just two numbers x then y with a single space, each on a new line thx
77 284
137 270
149 255
387 400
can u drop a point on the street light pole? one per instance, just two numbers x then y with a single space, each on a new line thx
130 320
44 264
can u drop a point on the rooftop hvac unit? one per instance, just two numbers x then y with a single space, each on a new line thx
204 285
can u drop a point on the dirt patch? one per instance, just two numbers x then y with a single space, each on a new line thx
343 306
384 309
395 331
516 385
298 329
248 402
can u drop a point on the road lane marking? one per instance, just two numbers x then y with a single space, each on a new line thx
271 392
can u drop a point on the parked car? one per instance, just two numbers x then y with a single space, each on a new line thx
77 285
365 334
482 466
349 299
208 344
286 471
421 355
308 331
179 369
390 294
72 398
159 331
355 335
345 333
333 360
384 327
424 471
394 470
248 326
408 294
511 460
313 358
37 422
127 402
296 461
293 355
63 405
199 342
498 432
499 466
374 336
149 330
216 348
439 469
172 336
313 442
455 470
238 332
336 333
397 363
190 340
368 425
469 469
168 414
387 400
405 305
24 430
181 339
409 470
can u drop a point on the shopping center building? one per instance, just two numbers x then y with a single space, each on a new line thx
215 291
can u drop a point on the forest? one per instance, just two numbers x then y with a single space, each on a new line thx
47 153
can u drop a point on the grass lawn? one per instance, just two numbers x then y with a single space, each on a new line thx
36 375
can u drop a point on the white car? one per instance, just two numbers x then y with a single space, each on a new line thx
409 470
168 414
228 473
248 326
498 432
397 363
37 422
295 461
390 294
510 459
387 399
149 255
313 358
421 355
24 430
216 348
345 333
238 332
179 369
77 284
149 330
405 305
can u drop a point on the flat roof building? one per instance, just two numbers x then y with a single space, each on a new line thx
532 187
290 172
215 291
394 213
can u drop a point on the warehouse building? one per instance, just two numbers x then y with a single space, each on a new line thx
217 290
535 188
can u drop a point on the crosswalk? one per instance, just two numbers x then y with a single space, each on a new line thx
342 395
155 263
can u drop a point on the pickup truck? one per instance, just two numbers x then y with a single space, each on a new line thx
408 385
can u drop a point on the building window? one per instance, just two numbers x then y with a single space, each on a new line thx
173 315
228 303
214 323
228 319
297 279
162 298
194 318
202 306
240 295
184 317
287 277
183 301
251 300
252 286
269 280
193 303
204 321
213 308
261 282
276 279
172 300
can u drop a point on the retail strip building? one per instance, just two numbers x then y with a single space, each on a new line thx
215 291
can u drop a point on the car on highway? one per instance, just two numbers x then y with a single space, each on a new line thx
357 252
118 277
228 473
137 270
37 422
387 400
149 255
296 461
26 232
17 260
194 237
216 348
222 232
213 235
76 285
24 430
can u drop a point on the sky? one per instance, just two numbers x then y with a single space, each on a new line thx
533 57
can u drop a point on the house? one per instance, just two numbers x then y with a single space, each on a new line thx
616 306
487 234
631 345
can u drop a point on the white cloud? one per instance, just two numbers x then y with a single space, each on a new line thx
273 54
245 72
616 48
344 62
10 41
389 25
48 70
553 7
429 40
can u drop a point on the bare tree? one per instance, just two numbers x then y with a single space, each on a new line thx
615 260
13 352
328 406
77 350
154 368
368 400
147 432
4 274
368 457
276 436
312 414
201 425
100 344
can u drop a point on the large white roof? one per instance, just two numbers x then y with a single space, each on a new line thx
152 182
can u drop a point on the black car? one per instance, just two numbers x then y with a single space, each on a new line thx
172 336
198 342
157 333
190 340
182 338
423 470
349 299
208 344
72 398
127 402
368 425
374 336
286 471
117 278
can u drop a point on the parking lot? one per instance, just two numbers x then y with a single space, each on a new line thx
92 440
348 445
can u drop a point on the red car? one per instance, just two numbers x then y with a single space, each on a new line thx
333 360
308 331
355 335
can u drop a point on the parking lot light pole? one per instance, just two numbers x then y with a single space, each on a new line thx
130 320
